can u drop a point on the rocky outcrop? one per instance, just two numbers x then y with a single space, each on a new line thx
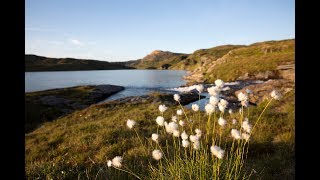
287 71
261 92
166 99
48 105
159 55
263 75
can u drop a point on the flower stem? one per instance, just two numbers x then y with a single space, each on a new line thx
127 172
260 116
140 141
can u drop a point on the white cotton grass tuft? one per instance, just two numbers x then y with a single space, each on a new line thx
196 145
245 103
235 134
184 135
155 137
200 88
176 133
224 102
160 120
198 133
234 121
275 95
222 122
219 83
174 118
193 138
246 125
245 136
116 161
162 108
209 108
217 151
130 123
185 143
157 154
221 107
170 127
214 100
230 111
109 163
182 123
242 97
195 107
176 97
214 91
173 126
179 112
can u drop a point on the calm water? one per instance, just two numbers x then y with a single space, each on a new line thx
136 82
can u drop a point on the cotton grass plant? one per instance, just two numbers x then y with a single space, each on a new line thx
211 148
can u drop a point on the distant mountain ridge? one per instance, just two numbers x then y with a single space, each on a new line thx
41 63
157 60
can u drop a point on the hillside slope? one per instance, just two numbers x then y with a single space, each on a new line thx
258 61
157 60
40 63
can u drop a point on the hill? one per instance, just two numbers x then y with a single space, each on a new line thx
40 63
258 61
157 60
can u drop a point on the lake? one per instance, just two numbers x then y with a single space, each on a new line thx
136 82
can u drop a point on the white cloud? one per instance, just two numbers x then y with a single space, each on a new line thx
76 42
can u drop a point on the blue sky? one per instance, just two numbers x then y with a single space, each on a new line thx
120 30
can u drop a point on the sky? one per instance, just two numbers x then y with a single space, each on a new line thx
121 30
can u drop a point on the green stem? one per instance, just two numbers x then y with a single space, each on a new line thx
208 128
127 172
260 116
183 110
140 141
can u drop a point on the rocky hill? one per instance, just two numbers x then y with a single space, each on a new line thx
40 63
158 60
258 61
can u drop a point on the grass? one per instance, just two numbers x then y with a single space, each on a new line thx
252 59
79 145
202 56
